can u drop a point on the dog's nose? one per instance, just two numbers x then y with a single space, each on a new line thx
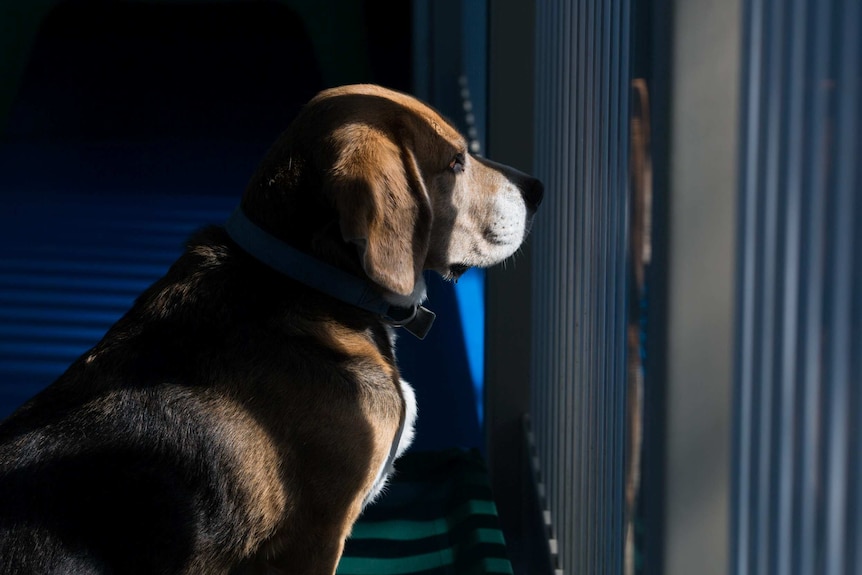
533 190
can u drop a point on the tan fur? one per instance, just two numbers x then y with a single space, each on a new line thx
369 184
352 344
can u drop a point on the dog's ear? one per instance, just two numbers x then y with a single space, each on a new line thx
382 204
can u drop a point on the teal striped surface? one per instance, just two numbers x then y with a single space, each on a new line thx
442 561
438 517
409 529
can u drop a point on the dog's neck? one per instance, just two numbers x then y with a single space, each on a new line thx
326 278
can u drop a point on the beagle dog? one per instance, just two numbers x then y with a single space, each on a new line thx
240 416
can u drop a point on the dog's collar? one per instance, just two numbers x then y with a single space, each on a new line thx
323 277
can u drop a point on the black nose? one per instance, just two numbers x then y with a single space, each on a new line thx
533 190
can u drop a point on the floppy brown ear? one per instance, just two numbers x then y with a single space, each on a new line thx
382 205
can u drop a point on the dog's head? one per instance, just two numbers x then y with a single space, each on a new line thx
383 173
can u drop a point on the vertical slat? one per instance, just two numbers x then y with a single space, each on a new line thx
855 507
855 527
767 313
791 240
846 44
589 221
551 461
812 287
576 96
578 564
604 309
622 113
553 323
562 250
560 272
559 250
597 383
545 438
579 547
566 532
788 375
749 162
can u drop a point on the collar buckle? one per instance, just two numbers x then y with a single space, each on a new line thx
417 319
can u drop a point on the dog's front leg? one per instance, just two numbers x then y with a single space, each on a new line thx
319 559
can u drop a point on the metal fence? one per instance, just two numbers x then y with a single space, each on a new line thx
798 456
577 417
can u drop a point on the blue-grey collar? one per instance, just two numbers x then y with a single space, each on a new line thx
323 277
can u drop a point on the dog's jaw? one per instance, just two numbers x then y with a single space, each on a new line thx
486 237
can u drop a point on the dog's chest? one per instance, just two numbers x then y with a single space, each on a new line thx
403 440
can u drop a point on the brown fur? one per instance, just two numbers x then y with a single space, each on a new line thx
234 420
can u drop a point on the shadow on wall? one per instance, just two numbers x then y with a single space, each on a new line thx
114 92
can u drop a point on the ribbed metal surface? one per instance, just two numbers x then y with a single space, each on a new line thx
579 277
72 265
798 456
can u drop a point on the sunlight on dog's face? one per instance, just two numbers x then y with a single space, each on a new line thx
481 214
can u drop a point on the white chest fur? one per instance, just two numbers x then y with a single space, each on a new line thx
404 441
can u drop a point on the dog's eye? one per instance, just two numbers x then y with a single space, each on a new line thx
457 164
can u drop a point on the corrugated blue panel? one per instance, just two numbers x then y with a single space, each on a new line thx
72 265
797 449
579 277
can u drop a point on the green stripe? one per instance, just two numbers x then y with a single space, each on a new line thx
400 530
407 529
416 563
376 566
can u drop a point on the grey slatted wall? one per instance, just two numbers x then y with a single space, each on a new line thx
577 413
798 445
